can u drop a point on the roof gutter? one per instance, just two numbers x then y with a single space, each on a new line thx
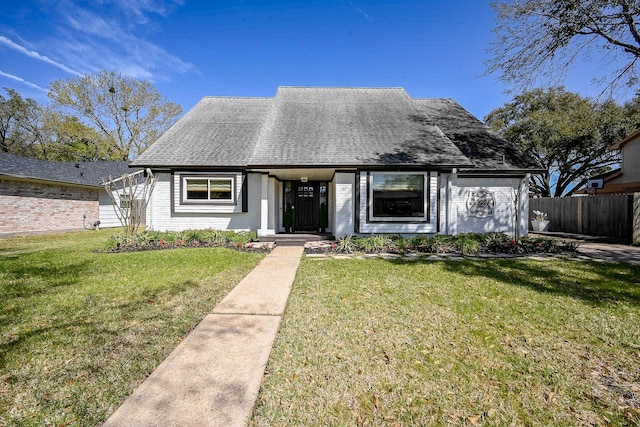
49 181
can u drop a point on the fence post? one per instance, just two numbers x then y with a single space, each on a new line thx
580 221
636 219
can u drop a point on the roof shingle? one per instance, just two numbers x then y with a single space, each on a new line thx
310 126
80 173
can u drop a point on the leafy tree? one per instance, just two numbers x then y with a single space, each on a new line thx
70 140
130 114
27 129
541 39
19 123
569 135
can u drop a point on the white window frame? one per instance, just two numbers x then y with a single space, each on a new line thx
402 219
183 190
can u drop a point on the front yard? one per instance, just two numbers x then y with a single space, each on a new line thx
363 341
79 330
492 342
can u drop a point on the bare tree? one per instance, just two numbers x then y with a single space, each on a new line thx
539 40
130 195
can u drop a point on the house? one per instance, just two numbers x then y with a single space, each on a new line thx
39 195
625 179
351 160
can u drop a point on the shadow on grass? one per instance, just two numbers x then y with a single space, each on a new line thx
31 280
99 328
597 283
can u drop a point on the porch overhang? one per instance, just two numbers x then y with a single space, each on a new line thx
298 174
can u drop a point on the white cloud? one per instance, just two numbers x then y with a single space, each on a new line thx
109 42
107 35
139 8
21 80
33 54
361 11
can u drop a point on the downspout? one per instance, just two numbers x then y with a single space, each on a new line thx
523 206
149 213
448 224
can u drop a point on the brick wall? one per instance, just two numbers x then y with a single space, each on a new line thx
31 206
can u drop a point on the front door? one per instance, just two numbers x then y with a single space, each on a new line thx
306 197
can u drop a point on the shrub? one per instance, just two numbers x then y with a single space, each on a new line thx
438 244
570 246
497 242
242 237
374 243
401 245
414 242
191 236
346 244
466 244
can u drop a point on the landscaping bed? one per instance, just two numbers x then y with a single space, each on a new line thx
467 244
463 244
208 238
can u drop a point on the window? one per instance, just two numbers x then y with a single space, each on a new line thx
208 189
125 201
395 196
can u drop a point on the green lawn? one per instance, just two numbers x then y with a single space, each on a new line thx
79 330
492 342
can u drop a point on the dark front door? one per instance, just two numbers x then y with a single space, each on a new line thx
306 206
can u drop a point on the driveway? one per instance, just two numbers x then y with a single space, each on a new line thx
611 252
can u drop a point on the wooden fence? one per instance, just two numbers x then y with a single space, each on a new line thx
605 215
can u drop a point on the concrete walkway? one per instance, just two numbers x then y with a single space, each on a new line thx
212 378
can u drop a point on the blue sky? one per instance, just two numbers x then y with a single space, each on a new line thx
194 48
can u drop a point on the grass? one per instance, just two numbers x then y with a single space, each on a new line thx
492 342
79 330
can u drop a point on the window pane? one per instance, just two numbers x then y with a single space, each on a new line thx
220 189
398 195
196 189
125 202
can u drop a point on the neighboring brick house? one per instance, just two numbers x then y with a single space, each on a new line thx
38 195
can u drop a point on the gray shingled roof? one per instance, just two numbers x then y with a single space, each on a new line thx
81 173
305 126
217 131
343 126
485 148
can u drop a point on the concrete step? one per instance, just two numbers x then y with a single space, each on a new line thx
290 242
296 237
